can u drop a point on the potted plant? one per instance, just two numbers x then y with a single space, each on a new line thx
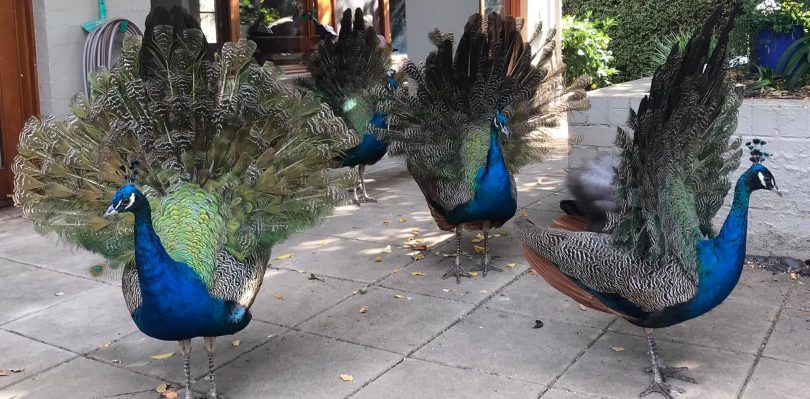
776 26
254 13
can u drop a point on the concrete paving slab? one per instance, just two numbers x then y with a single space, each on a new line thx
391 323
778 379
533 188
81 324
302 366
416 379
366 222
800 296
762 286
351 259
506 344
25 290
790 339
734 325
134 351
47 253
301 298
540 218
82 378
555 393
533 297
13 230
30 356
613 367
470 290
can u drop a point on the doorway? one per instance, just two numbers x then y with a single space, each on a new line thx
19 97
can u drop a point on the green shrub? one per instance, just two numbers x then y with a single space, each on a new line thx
640 22
585 49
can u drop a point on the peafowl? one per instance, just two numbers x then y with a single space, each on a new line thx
219 159
593 191
475 119
325 32
353 76
660 262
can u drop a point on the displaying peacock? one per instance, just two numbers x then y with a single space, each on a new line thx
660 262
353 75
474 119
220 161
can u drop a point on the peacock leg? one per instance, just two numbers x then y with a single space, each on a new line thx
212 385
355 198
668 372
185 347
364 197
457 271
659 383
486 266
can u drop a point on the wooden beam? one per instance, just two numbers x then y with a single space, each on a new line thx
233 20
385 20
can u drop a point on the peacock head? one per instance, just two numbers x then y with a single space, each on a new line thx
127 199
309 15
501 123
758 176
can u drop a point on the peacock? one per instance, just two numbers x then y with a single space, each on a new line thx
473 119
325 32
353 75
219 161
659 261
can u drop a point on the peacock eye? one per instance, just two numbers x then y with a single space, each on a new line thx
131 201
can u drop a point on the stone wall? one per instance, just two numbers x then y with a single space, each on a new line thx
777 226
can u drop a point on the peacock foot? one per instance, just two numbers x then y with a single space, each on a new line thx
365 199
456 271
674 372
662 388
485 267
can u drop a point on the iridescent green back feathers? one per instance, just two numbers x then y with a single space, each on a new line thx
232 158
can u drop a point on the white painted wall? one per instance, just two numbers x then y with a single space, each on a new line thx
60 40
451 16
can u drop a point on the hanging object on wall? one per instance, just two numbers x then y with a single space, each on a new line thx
101 43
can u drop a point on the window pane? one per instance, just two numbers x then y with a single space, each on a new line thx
278 33
207 6
208 23
493 6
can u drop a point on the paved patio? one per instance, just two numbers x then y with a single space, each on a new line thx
65 334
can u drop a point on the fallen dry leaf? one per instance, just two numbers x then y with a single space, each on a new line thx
617 348
398 296
162 356
386 250
285 256
417 274
523 214
386 222
236 342
105 346
279 297
473 274
794 276
162 388
378 259
532 272
418 256
347 377
322 242
403 220
478 238
478 249
4 372
582 307
416 247
511 265
396 271
170 394
364 310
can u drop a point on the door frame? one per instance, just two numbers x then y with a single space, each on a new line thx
19 86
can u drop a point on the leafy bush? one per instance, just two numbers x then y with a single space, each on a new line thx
796 63
774 15
663 46
638 22
585 49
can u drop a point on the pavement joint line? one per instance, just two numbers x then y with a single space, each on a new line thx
41 371
454 322
5 323
517 313
796 362
41 267
481 371
576 358
764 342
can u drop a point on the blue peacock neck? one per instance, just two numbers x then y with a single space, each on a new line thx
149 251
722 258
495 154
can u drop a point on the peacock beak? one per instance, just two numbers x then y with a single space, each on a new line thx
109 212
776 191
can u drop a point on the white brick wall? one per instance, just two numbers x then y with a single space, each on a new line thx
777 226
60 40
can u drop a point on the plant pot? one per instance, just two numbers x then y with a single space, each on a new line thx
243 31
769 46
